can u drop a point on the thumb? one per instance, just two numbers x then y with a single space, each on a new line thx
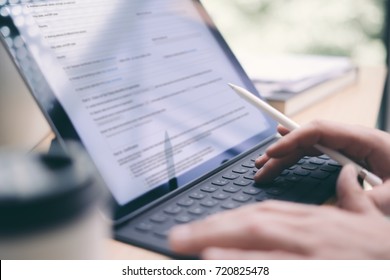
350 194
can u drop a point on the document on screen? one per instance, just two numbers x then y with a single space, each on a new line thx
143 82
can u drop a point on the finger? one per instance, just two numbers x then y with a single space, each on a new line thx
286 151
291 209
254 227
263 234
350 194
235 254
260 161
274 166
353 140
282 130
380 195
264 158
217 230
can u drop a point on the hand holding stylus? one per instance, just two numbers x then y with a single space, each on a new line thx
371 178
284 230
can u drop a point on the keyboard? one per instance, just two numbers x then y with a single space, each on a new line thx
311 180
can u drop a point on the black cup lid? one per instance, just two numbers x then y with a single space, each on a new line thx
39 191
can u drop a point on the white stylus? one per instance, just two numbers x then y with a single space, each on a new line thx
371 178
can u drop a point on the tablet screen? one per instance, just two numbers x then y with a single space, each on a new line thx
144 84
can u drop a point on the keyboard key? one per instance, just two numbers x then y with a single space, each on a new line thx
252 191
230 205
292 167
162 234
276 191
231 176
173 209
325 157
208 189
197 210
221 196
284 173
220 182
209 203
308 184
197 195
329 168
212 211
317 161
240 170
243 183
333 163
262 196
158 218
183 219
232 189
310 167
253 158
143 226
301 172
264 185
248 164
249 177
283 184
293 178
320 175
186 202
301 161
242 198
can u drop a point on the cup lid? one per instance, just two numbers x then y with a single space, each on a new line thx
39 191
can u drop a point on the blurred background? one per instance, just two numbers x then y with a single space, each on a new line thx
353 28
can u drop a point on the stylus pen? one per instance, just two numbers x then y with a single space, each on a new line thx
371 178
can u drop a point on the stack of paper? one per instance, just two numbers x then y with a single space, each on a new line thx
291 83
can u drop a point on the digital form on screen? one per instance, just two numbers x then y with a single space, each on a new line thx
143 82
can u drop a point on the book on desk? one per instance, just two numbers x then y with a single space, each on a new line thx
292 83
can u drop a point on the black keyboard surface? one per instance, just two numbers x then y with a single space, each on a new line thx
312 180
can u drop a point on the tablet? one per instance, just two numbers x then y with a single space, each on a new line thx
141 84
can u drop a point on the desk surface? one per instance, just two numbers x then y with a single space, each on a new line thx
357 104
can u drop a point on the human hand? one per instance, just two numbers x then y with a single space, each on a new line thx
283 230
368 147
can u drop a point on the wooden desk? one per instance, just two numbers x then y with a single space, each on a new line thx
357 104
